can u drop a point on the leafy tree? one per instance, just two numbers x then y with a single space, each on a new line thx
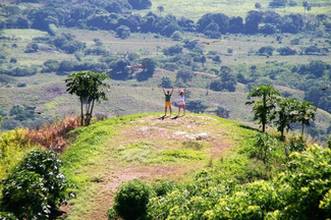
166 82
89 87
140 4
120 70
196 106
51 66
226 82
258 5
173 50
149 67
264 145
160 8
286 51
265 51
264 106
222 112
123 31
236 25
277 3
305 113
184 76
252 21
285 113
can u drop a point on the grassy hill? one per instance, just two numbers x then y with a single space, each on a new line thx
234 8
102 156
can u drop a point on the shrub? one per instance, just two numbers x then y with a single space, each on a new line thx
171 51
177 36
50 66
25 195
265 51
329 142
295 143
286 51
53 136
123 31
264 147
132 199
222 112
47 165
149 66
7 216
166 82
184 76
161 188
196 106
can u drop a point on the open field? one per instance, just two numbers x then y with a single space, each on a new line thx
47 91
194 9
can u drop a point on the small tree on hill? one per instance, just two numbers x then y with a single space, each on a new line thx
89 87
160 8
285 114
263 107
305 114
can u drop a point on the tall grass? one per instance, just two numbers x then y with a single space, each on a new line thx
54 136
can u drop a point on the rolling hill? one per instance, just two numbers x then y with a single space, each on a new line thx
102 156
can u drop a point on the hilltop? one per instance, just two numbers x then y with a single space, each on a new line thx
114 151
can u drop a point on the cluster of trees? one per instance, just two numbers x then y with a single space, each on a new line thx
113 15
21 116
227 81
288 51
271 108
268 22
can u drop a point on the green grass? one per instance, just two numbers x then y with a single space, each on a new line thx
102 151
195 9
89 145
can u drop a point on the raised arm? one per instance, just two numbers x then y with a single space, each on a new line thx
172 90
164 91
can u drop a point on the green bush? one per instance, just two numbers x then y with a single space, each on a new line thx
300 191
163 187
7 216
131 200
37 178
329 142
25 195
47 165
296 143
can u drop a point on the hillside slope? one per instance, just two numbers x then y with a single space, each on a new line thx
114 151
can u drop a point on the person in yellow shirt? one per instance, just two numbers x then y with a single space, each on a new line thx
167 95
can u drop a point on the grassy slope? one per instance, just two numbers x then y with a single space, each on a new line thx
140 146
195 9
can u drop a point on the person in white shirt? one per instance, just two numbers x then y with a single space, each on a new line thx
181 102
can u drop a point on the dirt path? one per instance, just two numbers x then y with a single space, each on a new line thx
151 149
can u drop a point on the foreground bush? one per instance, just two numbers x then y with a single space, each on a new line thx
301 190
131 200
25 195
36 187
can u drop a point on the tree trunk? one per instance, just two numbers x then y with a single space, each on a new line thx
282 136
264 120
89 117
81 112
